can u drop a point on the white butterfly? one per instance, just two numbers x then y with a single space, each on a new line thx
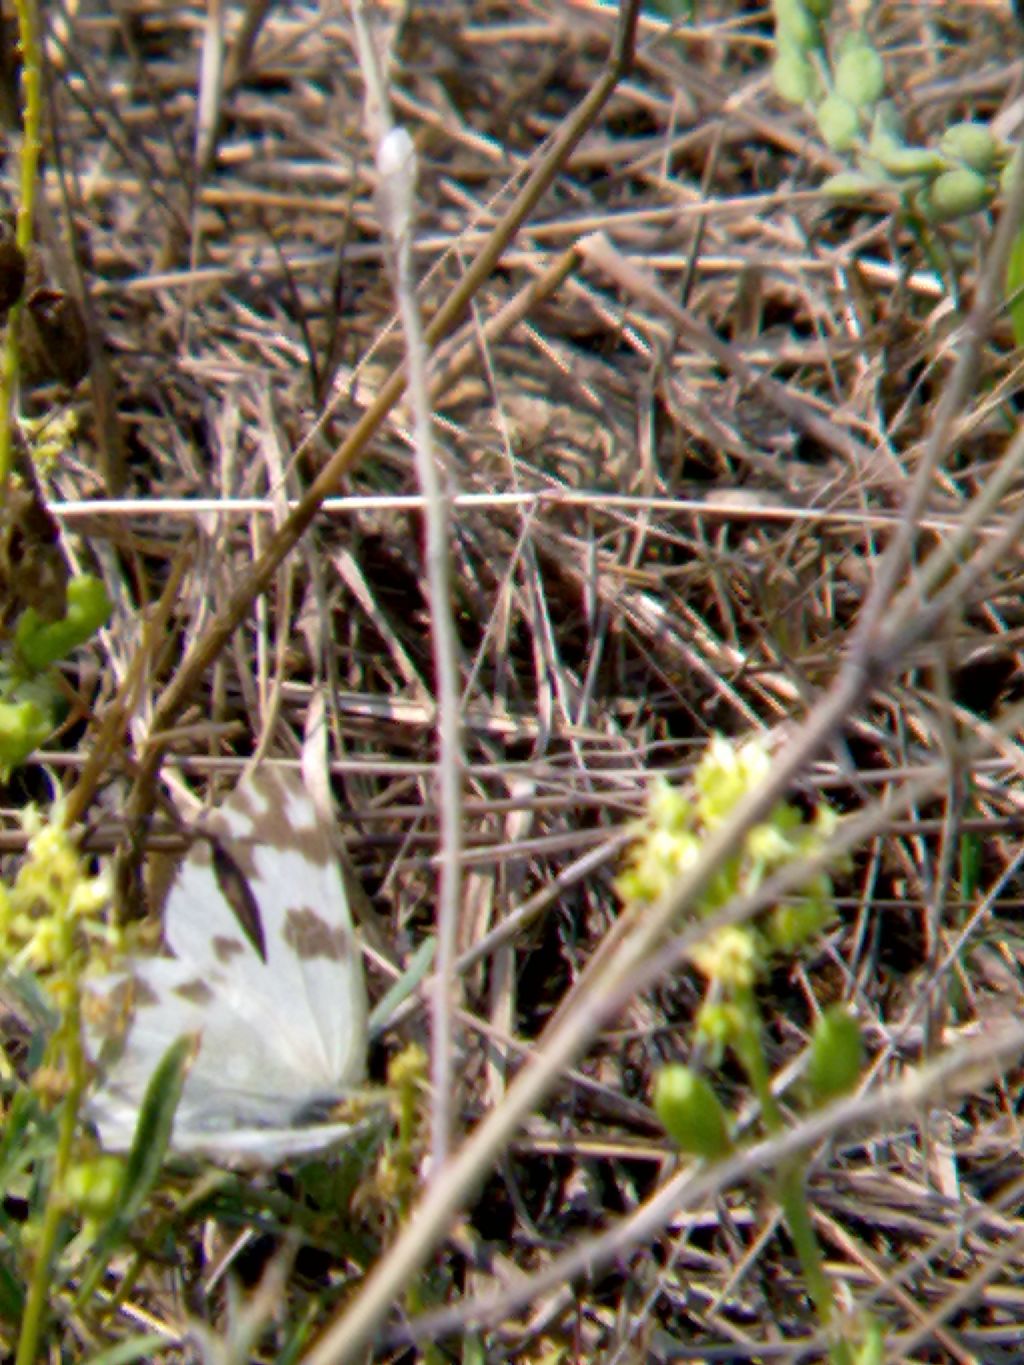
281 1034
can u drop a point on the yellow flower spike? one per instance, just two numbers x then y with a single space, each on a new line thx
732 957
54 912
725 774
769 844
668 808
90 895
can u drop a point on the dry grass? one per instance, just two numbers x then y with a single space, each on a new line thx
659 532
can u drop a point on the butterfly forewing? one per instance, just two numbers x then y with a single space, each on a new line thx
282 848
276 1034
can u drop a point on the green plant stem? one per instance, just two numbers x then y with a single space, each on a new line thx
791 1189
32 88
34 1317
749 1047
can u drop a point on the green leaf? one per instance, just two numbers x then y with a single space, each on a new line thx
852 185
23 727
896 158
796 24
12 1294
971 143
40 643
28 1135
838 122
793 76
1015 287
420 963
954 194
871 1350
971 855
138 1348
860 75
143 1163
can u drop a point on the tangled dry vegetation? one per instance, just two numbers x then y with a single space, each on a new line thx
682 422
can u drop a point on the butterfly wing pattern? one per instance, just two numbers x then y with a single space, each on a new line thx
281 1034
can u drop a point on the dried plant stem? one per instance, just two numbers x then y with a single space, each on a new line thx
951 404
566 1038
615 963
396 166
180 687
958 1070
603 1002
109 734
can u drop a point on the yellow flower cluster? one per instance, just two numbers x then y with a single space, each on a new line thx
54 915
49 437
670 840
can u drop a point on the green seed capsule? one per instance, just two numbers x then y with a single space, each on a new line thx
838 122
837 1055
971 143
860 75
691 1113
955 194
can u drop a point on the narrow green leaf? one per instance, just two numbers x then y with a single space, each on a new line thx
27 1135
138 1348
1015 287
421 962
12 1294
153 1130
149 1147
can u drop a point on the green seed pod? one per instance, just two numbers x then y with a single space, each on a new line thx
860 75
971 143
837 1055
793 76
838 122
691 1113
955 194
796 25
